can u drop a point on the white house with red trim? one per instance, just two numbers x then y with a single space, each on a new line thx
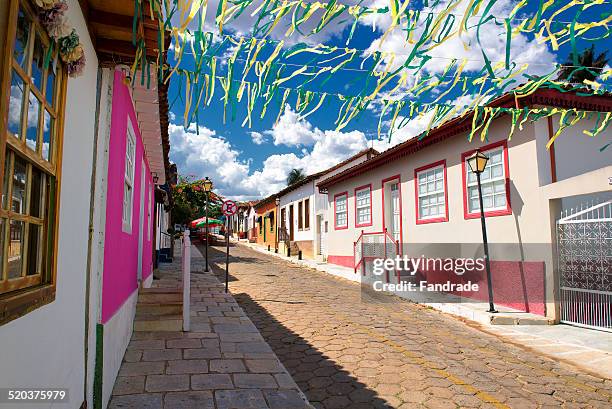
303 223
420 197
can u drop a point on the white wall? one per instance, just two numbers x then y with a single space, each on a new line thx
520 225
99 224
45 348
117 334
293 198
576 153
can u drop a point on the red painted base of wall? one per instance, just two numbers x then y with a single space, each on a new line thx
344 261
516 285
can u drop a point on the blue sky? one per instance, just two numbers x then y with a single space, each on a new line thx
251 162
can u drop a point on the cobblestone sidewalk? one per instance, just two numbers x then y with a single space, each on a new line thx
223 363
348 349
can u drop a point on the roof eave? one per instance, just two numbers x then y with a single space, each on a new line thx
547 97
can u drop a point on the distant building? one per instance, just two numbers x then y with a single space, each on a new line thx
303 223
266 222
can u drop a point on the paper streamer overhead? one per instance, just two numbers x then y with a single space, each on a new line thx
267 67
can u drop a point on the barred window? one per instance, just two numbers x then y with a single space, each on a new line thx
30 156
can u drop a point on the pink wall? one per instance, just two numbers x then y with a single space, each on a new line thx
344 261
518 285
121 248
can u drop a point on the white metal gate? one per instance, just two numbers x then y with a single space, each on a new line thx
584 247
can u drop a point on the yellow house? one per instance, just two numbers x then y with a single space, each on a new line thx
266 222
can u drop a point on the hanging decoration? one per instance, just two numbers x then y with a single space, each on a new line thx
51 14
260 69
443 21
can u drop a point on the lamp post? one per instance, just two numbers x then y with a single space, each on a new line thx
477 163
277 201
208 186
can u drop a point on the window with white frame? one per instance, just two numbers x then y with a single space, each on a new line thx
341 210
493 182
430 192
363 214
128 186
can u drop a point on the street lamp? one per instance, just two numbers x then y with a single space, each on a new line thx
277 201
208 186
477 163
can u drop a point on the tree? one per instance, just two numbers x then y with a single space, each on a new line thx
295 176
189 200
589 66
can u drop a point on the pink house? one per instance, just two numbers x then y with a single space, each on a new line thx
128 244
87 160
133 165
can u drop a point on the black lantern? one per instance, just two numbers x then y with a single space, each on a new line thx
208 186
478 163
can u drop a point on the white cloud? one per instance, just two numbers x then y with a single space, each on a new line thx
207 154
291 130
492 37
244 24
258 138
407 129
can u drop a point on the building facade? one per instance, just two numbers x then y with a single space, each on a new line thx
251 223
46 305
303 223
421 198
81 157
128 198
266 222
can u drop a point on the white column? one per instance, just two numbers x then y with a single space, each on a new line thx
186 280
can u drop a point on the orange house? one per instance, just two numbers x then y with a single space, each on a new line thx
266 222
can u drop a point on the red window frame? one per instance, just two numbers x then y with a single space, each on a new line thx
336 227
491 213
368 186
416 193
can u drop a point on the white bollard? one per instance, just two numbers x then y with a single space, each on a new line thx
186 280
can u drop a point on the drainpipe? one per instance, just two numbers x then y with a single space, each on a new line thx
90 231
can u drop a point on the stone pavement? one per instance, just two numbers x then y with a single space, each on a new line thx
223 363
351 349
588 349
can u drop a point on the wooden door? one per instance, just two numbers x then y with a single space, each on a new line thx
291 223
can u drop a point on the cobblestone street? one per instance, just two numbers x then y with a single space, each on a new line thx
348 350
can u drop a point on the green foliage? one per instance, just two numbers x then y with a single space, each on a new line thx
295 176
182 213
590 66
190 201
